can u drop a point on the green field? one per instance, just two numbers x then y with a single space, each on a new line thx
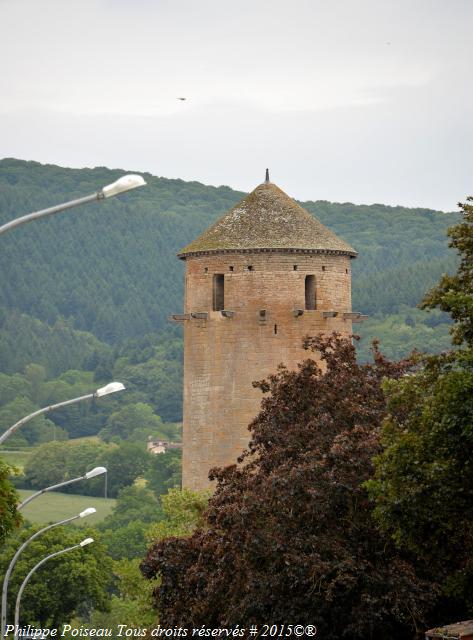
55 506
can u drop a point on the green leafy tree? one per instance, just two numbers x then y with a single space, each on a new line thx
159 378
126 542
132 600
48 466
56 462
77 579
84 418
134 589
131 604
183 511
423 487
11 387
454 294
35 375
289 535
82 457
165 471
9 516
131 418
39 429
125 462
134 504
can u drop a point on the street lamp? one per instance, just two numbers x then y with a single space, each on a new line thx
125 183
112 387
25 581
82 514
97 471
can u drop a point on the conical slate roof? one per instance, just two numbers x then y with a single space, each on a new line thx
269 220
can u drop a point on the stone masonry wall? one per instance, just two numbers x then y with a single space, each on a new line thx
222 356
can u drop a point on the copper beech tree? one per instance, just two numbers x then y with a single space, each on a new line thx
289 536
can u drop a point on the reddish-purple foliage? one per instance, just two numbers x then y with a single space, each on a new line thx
289 535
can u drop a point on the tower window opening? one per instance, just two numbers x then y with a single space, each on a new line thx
275 329
310 294
250 267
230 268
295 267
218 292
323 268
346 270
206 269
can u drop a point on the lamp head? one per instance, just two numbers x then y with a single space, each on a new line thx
87 512
125 183
86 542
111 387
96 471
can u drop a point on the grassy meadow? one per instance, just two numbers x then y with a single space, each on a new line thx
54 506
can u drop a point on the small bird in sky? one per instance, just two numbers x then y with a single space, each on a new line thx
181 98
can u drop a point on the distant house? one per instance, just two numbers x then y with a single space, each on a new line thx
161 446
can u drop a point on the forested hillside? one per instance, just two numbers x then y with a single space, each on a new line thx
112 267
91 289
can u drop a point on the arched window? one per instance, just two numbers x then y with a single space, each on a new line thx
310 293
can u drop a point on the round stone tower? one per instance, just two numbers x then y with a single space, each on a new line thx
265 275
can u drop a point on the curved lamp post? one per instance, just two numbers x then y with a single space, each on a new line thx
112 387
97 471
37 566
82 514
125 183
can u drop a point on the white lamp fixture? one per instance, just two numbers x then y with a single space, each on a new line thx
125 183
83 514
111 387
96 471
86 542
121 185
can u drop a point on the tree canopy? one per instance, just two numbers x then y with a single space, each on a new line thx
57 590
424 476
289 534
454 294
9 516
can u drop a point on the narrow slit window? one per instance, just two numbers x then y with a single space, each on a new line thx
218 292
310 294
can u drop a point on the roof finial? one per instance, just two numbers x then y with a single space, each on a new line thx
267 177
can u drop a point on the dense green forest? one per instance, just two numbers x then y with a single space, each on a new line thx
86 294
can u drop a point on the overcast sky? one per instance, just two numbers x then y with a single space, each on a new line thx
344 100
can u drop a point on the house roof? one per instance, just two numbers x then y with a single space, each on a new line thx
457 631
267 219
